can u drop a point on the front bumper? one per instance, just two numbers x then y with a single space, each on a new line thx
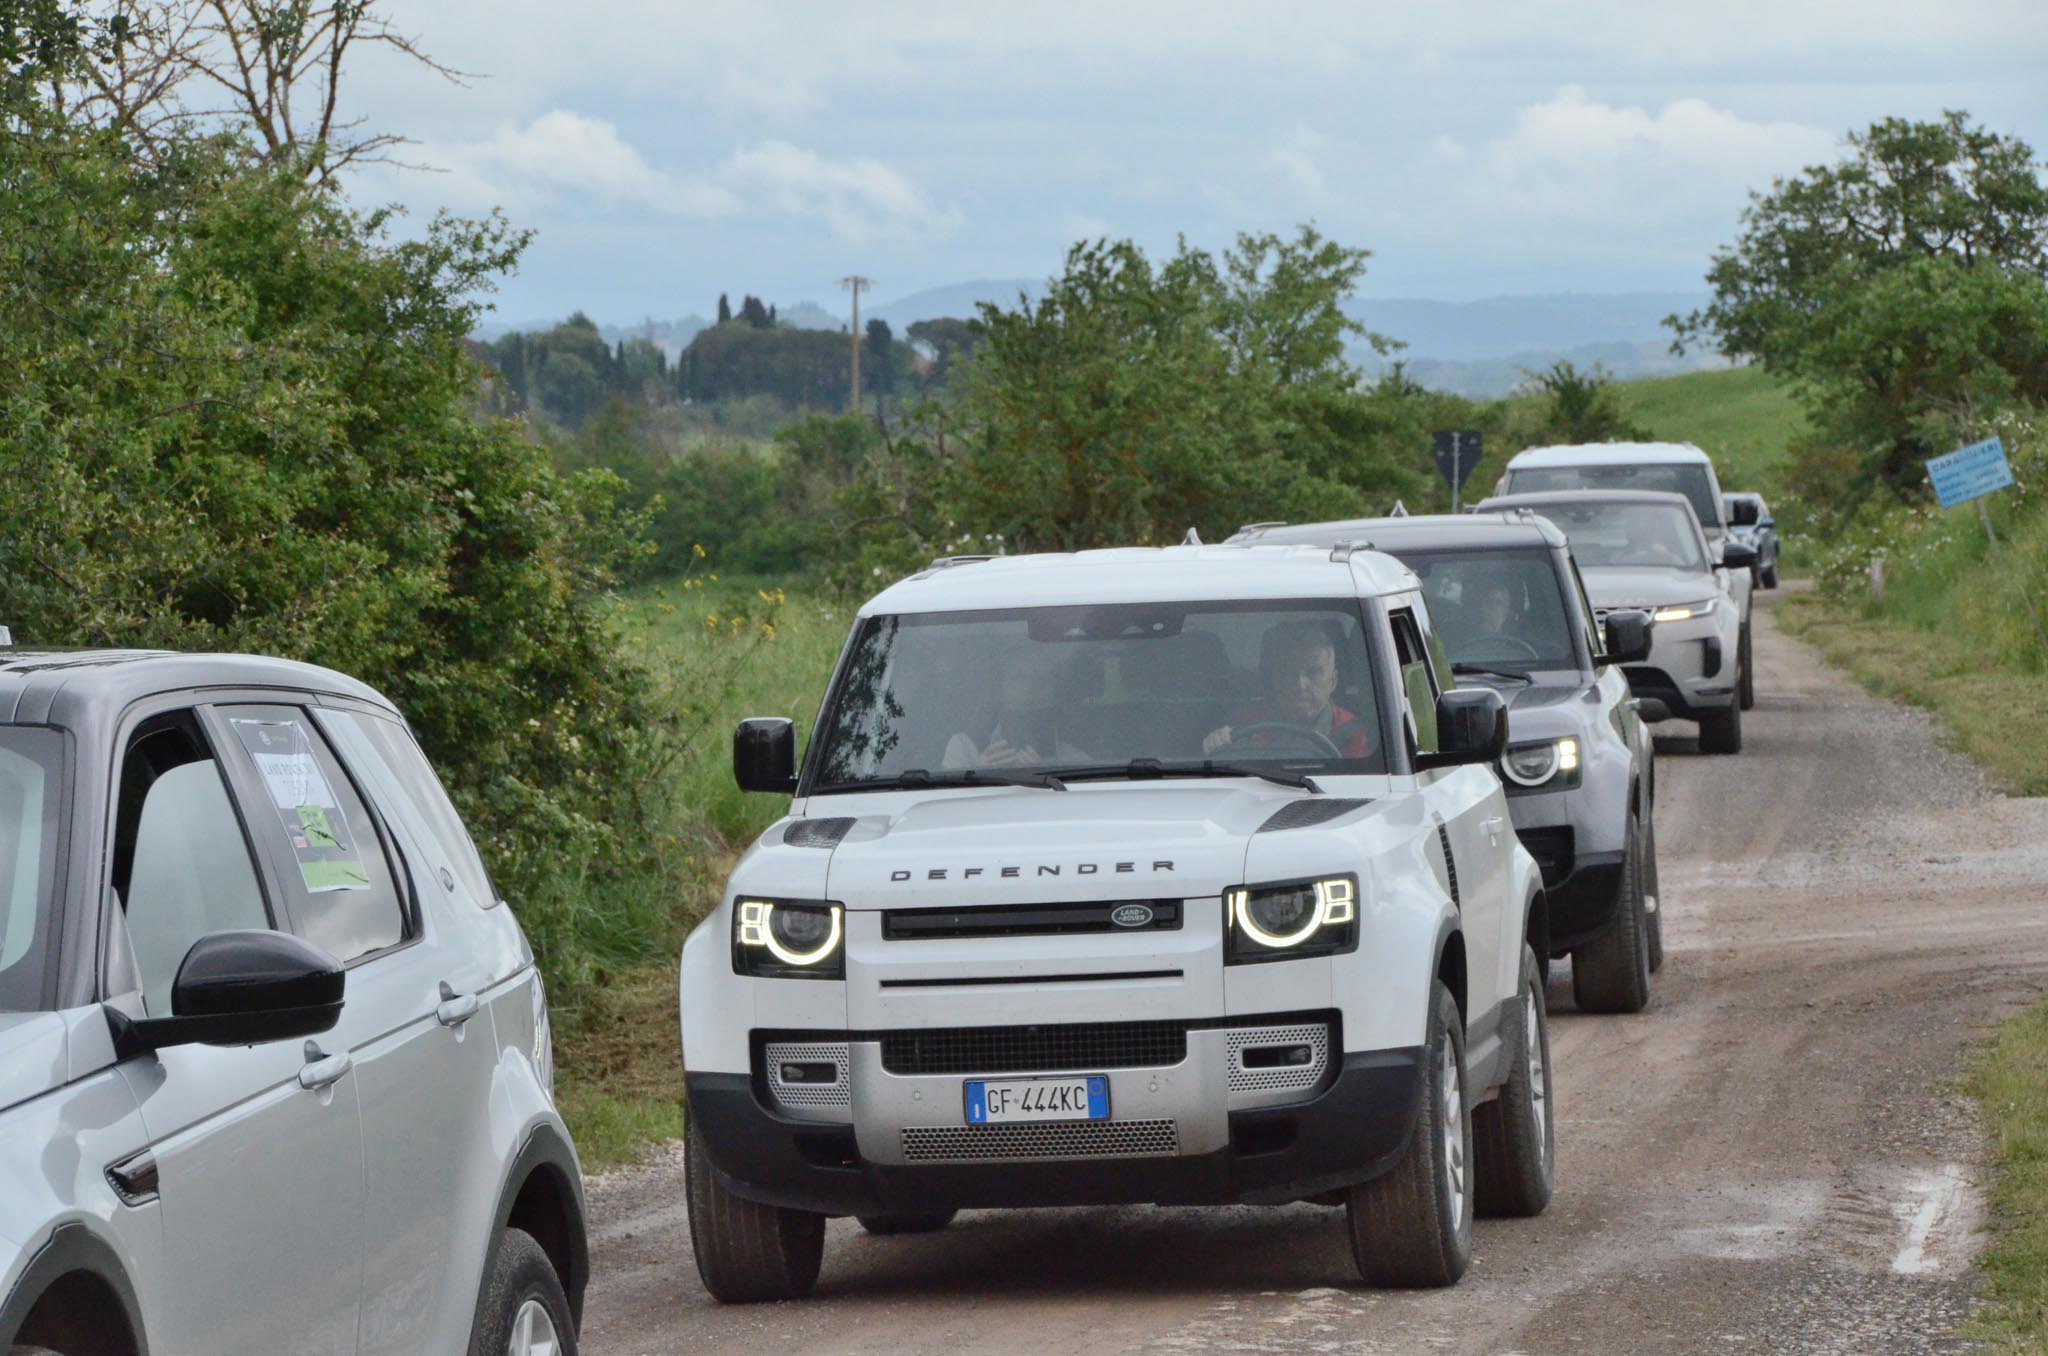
1354 1128
1580 889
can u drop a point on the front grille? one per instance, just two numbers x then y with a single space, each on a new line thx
1044 1142
1035 1049
836 1095
1278 1078
1030 920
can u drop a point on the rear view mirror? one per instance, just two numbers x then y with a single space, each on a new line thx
1471 727
1628 637
1737 555
245 988
764 754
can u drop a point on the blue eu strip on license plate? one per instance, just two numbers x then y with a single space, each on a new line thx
992 1101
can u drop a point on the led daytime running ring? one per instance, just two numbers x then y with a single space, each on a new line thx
1335 904
755 931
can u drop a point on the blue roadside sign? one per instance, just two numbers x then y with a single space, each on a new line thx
1969 472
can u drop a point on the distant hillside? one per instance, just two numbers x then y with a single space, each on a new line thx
957 300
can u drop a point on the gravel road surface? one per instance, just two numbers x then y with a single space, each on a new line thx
1773 1157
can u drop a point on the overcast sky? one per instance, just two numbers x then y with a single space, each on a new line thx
664 152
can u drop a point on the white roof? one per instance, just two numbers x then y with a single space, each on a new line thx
1130 574
1608 454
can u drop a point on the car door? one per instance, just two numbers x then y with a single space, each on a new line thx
421 1048
1473 815
257 1150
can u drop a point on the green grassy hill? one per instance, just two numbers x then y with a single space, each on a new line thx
1743 418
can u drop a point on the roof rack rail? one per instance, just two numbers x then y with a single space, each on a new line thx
948 562
1259 527
1342 552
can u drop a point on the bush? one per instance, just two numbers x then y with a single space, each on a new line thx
238 417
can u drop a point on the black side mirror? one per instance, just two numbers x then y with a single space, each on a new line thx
1768 523
1743 512
1628 637
1738 555
764 754
1471 727
245 988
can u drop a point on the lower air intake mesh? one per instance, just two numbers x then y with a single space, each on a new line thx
1044 1142
1089 1046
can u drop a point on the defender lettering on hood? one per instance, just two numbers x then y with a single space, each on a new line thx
1044 869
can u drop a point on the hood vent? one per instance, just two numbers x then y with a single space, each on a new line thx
816 833
1301 814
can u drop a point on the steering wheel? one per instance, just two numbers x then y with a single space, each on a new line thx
1504 639
1313 738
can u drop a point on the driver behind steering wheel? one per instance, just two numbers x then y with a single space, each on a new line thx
1298 666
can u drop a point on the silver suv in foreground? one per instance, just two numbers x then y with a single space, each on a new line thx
275 1071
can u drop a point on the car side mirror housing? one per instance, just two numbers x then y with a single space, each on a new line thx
1628 637
764 754
1471 727
1738 555
1743 513
1771 523
244 988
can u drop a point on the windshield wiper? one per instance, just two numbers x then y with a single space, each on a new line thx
971 776
1138 769
1463 666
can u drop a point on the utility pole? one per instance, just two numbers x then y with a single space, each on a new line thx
855 283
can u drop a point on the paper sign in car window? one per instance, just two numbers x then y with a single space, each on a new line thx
306 805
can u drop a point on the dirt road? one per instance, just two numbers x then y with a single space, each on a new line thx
1772 1158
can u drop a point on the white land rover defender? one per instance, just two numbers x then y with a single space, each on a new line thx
1174 876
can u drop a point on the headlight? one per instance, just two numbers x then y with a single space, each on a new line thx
1301 918
1686 611
775 938
1551 762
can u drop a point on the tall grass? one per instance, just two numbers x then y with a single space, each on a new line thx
1744 418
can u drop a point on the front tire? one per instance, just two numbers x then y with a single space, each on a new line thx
1721 731
1611 973
1514 1136
1770 576
1412 1226
747 1252
1745 686
522 1310
1653 894
925 1222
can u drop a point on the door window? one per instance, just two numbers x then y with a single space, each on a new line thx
428 806
1418 686
181 863
308 819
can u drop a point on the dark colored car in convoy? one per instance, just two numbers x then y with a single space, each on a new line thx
1578 770
1750 522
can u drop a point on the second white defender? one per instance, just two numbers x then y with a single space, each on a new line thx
1127 876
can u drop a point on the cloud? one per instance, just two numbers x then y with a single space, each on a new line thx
858 198
1572 157
562 158
564 161
1297 157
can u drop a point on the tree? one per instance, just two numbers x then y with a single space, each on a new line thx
1131 402
724 309
754 313
878 360
158 71
1856 279
1581 407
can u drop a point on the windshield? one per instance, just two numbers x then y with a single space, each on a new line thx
31 809
1690 479
952 696
1613 532
1502 609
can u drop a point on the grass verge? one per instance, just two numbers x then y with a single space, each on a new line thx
2010 1083
1991 712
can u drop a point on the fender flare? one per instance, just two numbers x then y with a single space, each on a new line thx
71 1247
546 1150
